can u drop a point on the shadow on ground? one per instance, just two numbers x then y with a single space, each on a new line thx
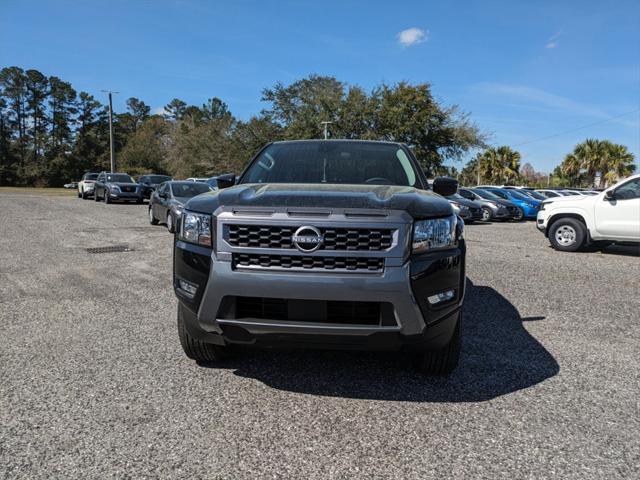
499 357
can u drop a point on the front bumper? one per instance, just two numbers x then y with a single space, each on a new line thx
125 196
416 324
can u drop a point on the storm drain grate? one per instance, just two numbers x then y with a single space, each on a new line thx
110 249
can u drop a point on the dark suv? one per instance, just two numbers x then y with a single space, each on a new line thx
334 244
112 187
149 183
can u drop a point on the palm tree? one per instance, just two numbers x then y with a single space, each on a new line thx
619 163
499 165
593 157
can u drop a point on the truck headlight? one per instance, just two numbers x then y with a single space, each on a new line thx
114 188
434 234
196 228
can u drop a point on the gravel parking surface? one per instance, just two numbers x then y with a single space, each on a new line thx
94 384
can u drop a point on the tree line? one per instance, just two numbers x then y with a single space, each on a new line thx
50 133
592 163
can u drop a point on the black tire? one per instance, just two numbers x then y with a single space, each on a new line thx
80 195
487 214
196 349
138 201
152 218
444 360
567 234
519 216
107 200
171 223
95 196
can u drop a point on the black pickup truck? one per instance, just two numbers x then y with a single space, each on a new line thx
335 244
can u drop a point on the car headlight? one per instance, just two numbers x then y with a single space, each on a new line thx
494 205
543 205
114 188
196 228
434 234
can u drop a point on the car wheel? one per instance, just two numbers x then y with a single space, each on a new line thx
567 234
170 223
442 361
80 194
519 215
152 218
486 214
106 196
197 349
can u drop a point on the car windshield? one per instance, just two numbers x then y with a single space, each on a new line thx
119 178
91 176
519 195
487 194
336 162
532 194
189 189
456 196
157 178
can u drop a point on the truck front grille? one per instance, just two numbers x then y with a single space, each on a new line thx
306 262
276 236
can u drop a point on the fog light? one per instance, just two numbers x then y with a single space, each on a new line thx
187 289
441 297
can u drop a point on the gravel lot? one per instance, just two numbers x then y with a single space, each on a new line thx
93 382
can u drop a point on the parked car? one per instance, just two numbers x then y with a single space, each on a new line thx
492 209
71 185
85 187
468 210
551 193
148 183
167 202
528 205
112 187
323 244
194 179
517 214
611 216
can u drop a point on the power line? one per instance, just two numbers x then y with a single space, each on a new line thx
576 129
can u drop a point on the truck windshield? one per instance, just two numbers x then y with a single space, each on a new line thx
336 162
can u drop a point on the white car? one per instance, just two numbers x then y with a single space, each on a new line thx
612 215
86 185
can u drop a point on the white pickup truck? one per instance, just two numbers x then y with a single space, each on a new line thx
611 216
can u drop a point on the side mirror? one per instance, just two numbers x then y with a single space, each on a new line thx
445 186
226 180
610 195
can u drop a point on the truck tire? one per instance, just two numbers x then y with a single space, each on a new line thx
107 200
567 234
444 360
196 349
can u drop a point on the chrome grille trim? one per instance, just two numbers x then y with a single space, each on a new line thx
395 229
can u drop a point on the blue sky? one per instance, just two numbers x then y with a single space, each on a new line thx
524 70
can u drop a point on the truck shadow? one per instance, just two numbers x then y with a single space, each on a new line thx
499 356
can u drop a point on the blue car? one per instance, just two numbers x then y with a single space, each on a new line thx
529 206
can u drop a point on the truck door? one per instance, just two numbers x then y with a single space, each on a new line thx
618 217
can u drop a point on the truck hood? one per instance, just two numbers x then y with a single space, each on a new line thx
418 203
571 199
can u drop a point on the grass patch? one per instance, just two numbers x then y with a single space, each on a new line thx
56 192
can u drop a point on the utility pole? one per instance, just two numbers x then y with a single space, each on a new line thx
111 149
326 131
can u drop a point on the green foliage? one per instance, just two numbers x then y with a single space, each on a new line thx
596 158
499 165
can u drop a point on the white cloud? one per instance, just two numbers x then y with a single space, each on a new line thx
553 41
158 111
412 36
